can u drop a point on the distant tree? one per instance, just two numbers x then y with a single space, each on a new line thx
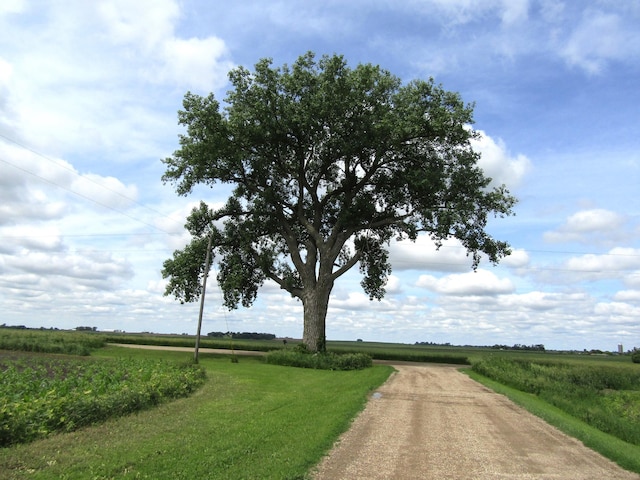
328 164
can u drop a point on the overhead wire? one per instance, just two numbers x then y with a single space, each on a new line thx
88 179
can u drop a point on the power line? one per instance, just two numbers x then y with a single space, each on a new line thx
74 172
86 197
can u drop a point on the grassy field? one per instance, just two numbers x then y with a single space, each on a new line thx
249 420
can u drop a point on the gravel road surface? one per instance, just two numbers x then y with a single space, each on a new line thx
433 422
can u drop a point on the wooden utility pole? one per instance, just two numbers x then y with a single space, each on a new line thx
207 264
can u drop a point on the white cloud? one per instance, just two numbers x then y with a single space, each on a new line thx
197 63
106 191
40 237
480 282
628 296
149 27
587 226
423 255
145 22
633 280
600 38
609 265
497 162
519 258
12 6
394 285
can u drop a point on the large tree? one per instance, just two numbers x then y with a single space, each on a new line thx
328 164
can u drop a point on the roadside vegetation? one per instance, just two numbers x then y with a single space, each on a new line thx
597 402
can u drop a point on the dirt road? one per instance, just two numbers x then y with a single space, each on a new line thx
433 422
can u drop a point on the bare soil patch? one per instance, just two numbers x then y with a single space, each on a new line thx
432 421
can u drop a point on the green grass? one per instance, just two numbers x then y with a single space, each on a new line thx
624 454
250 420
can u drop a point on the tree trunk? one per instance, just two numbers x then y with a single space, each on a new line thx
315 303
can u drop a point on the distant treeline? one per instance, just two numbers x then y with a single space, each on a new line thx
243 335
534 348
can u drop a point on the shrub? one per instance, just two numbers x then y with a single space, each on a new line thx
321 361
635 357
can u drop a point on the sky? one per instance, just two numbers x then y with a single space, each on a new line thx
89 95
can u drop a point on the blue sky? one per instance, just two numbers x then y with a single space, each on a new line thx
89 93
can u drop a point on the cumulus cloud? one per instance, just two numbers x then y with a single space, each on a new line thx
498 163
150 26
628 296
588 225
198 63
480 282
423 255
633 280
87 267
609 265
34 187
42 237
519 258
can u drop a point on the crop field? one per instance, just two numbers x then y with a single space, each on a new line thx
42 393
49 341
603 394
377 351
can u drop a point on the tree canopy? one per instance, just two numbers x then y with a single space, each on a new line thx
328 164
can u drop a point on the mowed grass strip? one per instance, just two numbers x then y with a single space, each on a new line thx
250 420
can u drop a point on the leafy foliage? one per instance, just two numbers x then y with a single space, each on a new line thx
635 357
328 164
43 394
605 397
323 361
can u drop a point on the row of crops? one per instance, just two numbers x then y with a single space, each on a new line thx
43 393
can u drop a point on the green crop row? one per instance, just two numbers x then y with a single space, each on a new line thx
44 394
48 341
606 397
